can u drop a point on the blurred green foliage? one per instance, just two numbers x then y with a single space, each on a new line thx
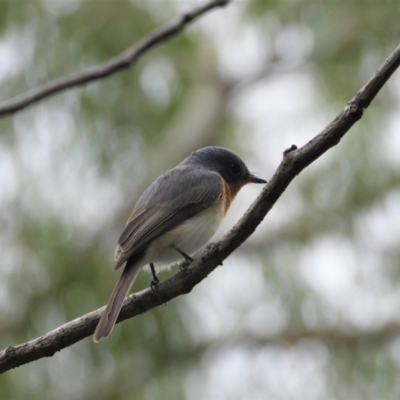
73 165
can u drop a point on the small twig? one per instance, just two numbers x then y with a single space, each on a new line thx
125 60
294 161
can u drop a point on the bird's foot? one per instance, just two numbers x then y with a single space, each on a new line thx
184 264
154 284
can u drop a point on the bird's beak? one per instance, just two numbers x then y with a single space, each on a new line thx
254 179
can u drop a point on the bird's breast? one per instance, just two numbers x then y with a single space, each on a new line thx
190 236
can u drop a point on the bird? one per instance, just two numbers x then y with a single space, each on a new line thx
174 218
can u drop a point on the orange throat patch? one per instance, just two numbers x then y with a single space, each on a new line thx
230 192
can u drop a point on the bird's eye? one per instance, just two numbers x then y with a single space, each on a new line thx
235 169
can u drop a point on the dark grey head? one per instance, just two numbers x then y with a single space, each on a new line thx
228 164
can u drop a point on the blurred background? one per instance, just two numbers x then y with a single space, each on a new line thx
309 307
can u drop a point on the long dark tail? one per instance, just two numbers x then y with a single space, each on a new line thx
110 315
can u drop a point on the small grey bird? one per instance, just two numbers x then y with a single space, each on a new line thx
176 216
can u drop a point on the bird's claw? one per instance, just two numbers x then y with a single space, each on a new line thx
184 264
153 284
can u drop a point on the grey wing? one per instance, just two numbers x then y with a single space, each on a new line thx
174 197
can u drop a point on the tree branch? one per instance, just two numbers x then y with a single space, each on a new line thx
294 161
123 61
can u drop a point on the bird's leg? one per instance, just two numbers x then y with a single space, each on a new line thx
155 280
186 256
187 261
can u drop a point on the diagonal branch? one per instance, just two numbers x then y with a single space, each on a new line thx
294 161
123 61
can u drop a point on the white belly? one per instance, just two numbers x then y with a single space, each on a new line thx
189 237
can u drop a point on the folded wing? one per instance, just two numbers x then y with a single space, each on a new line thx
174 197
